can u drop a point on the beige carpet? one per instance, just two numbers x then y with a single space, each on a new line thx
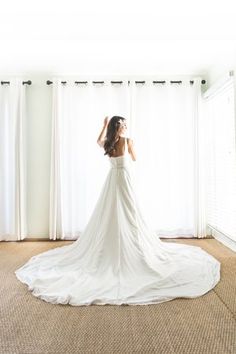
204 325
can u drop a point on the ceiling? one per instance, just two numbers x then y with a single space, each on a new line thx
103 37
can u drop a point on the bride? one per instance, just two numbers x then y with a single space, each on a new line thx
118 259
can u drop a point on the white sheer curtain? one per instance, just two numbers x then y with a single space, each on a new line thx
78 166
169 138
12 161
165 122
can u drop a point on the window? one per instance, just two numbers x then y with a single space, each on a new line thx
221 160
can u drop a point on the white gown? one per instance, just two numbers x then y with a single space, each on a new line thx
117 259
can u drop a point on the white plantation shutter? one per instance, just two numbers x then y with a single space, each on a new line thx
221 160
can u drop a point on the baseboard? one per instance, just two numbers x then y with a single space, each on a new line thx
32 239
224 240
41 239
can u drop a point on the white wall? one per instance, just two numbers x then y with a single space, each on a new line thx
51 37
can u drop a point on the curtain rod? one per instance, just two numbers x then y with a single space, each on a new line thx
120 82
48 82
29 82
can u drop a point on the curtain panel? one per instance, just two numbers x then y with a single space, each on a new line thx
13 181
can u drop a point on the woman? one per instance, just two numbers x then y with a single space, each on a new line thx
118 259
117 128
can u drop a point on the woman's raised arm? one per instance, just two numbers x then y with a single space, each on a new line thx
100 139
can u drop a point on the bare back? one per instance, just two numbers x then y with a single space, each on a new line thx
120 147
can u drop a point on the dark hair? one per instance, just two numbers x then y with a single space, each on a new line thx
112 128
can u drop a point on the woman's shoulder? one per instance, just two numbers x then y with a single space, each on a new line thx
129 139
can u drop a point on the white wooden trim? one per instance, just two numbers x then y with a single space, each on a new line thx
228 242
221 84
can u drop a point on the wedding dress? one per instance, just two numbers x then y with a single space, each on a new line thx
117 259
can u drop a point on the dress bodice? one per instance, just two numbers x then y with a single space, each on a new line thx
122 160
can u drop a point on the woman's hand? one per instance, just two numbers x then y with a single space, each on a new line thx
106 120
